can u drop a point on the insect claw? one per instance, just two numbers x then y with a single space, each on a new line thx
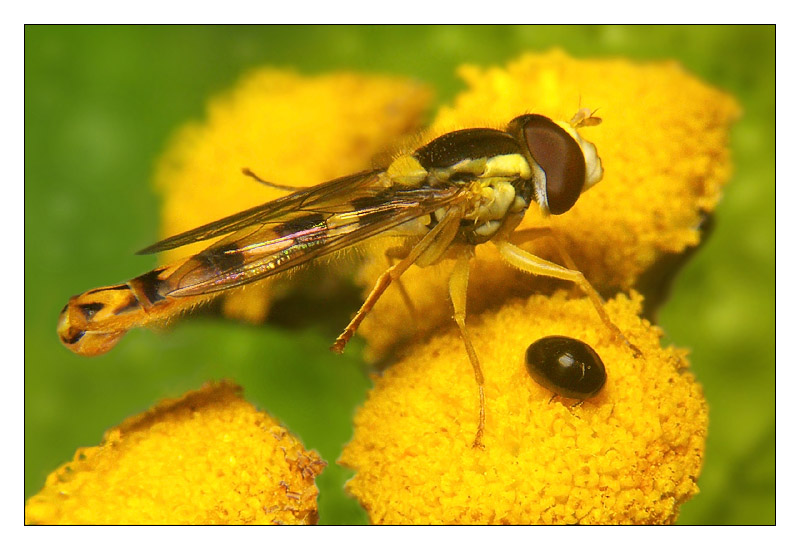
637 353
338 345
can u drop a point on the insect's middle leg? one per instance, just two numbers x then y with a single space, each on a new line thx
534 265
459 280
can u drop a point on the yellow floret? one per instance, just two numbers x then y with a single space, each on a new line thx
288 129
629 455
208 457
663 144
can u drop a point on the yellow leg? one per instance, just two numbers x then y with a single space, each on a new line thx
396 253
383 282
532 233
534 265
445 228
459 280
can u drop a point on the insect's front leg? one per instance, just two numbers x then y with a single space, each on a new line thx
534 265
530 234
533 233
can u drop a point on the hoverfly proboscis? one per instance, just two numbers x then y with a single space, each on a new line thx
460 190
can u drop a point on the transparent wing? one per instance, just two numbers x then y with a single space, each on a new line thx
323 196
324 220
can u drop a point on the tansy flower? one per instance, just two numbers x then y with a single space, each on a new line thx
663 145
288 129
206 458
629 455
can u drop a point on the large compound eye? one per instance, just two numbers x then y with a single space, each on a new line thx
559 156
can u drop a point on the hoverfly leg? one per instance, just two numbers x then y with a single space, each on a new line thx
398 253
530 234
534 265
459 280
533 233
430 240
594 295
380 287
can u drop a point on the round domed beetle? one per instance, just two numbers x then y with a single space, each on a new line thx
566 366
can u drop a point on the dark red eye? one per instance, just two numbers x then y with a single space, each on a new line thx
558 154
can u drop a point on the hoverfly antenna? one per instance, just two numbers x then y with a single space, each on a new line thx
250 174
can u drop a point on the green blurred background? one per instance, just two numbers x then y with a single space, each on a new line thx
100 105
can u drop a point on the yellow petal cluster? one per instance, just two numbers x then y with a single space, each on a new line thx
208 457
629 455
288 129
663 144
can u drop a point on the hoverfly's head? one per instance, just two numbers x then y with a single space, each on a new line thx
564 164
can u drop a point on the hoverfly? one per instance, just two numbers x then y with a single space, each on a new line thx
460 190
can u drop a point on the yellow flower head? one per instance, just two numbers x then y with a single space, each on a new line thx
663 145
288 129
631 454
206 458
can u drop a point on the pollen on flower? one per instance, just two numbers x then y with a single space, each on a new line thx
208 457
663 144
629 455
288 129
